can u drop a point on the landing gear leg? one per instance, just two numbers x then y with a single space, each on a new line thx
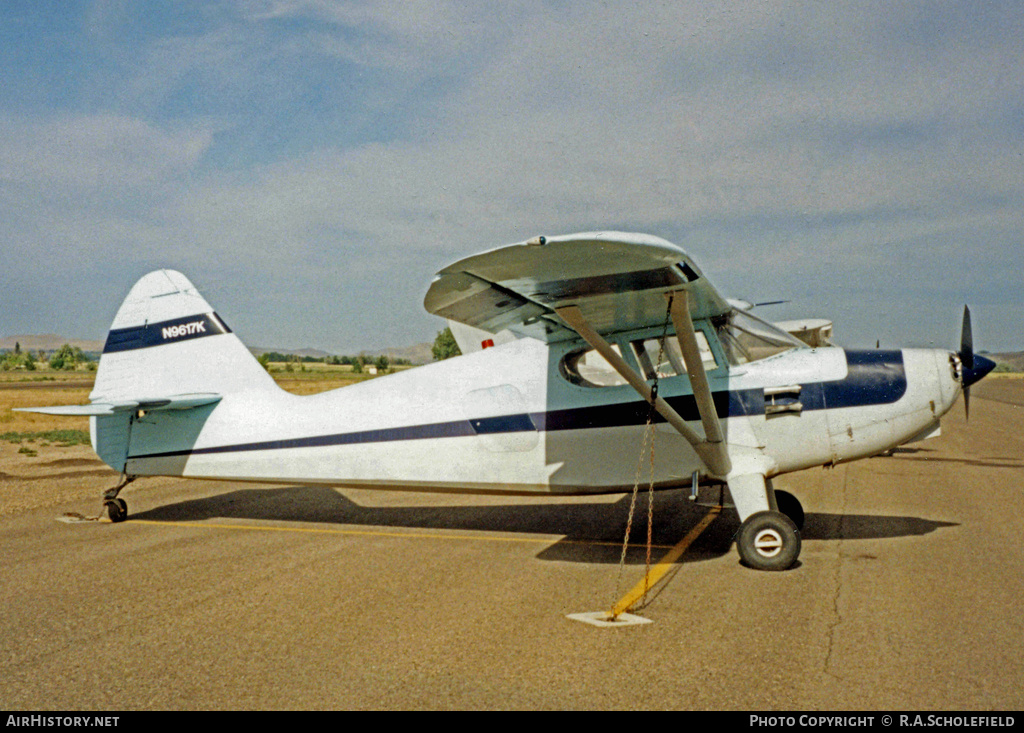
116 508
768 539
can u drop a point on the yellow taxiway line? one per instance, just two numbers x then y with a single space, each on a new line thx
658 571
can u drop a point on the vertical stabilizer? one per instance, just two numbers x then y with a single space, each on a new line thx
167 340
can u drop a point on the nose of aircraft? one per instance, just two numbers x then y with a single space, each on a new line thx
977 370
972 366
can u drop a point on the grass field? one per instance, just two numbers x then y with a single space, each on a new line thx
316 377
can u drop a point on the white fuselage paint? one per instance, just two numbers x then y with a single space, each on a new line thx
415 429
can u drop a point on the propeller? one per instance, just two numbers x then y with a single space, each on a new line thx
972 367
967 341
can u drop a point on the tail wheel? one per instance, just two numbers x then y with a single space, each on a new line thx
117 509
768 541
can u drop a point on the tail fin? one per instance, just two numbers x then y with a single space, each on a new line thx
166 340
167 353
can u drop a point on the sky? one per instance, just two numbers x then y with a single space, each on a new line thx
310 164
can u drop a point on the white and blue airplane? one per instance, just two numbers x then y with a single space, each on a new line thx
592 335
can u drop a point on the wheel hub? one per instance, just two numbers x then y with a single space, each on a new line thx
768 543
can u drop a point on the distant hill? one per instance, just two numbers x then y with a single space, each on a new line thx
1008 361
308 351
47 342
416 354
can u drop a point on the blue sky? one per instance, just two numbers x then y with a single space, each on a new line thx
310 165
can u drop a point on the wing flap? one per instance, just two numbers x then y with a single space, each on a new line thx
471 300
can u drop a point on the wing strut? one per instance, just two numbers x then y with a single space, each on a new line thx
713 454
695 366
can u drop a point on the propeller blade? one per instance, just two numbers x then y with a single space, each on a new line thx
967 341
972 368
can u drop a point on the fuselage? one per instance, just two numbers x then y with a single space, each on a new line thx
516 419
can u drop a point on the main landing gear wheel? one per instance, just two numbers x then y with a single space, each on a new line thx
791 507
117 509
768 541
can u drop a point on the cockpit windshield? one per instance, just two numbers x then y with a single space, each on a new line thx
746 338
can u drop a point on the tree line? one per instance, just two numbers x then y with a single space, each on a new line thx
70 358
359 363
66 358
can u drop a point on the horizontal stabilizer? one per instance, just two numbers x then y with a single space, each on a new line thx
175 402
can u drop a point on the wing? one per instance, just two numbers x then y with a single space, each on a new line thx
616 279
587 285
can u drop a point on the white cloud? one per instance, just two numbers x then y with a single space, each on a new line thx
107 152
823 136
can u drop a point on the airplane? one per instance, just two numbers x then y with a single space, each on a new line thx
585 337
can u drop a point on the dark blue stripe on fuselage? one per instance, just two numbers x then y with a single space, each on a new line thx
503 424
455 429
164 332
874 378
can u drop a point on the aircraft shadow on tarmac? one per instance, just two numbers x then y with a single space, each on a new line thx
908 454
590 532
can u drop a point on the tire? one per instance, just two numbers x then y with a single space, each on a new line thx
117 510
768 541
791 507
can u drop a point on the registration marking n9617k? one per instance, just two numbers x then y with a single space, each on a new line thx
185 329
